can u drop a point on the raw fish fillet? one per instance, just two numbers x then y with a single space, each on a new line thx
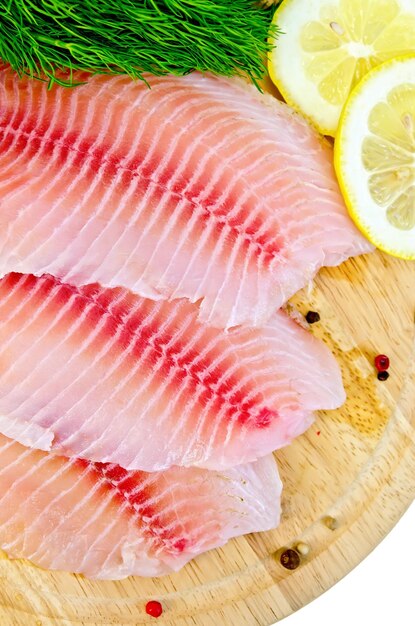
105 522
109 376
199 187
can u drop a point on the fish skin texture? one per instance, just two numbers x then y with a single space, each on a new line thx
105 522
109 376
198 188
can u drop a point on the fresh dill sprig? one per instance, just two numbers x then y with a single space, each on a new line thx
42 38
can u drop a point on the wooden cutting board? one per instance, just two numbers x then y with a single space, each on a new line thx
347 482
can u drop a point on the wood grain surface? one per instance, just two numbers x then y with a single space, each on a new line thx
347 482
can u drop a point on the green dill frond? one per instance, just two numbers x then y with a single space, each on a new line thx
42 38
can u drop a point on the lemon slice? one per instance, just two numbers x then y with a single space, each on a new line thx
375 156
327 46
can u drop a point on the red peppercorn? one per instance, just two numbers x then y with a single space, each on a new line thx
154 608
382 362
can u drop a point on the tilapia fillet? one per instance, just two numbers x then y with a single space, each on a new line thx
105 522
109 376
198 188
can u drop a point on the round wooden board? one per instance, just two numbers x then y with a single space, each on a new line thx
347 482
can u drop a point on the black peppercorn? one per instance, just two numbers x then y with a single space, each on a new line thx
312 317
383 376
290 559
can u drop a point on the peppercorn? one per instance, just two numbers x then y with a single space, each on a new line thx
384 375
382 362
312 317
290 559
154 608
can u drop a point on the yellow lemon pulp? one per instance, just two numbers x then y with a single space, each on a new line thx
329 45
375 156
389 155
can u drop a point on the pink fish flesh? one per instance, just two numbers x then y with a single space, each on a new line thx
106 375
198 188
105 522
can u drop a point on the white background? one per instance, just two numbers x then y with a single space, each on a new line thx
379 592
